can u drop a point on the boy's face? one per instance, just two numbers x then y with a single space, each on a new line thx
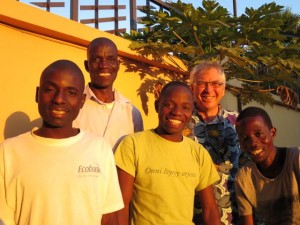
174 110
60 97
256 138
102 64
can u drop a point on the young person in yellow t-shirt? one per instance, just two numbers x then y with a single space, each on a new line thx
160 170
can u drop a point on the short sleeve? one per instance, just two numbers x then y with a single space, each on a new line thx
208 171
113 200
137 120
125 155
6 212
244 206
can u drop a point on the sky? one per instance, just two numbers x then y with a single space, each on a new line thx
294 5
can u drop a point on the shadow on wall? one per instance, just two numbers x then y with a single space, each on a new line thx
150 76
18 123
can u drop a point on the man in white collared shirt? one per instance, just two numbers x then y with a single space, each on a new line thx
106 112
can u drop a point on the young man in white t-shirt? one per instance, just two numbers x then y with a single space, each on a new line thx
57 174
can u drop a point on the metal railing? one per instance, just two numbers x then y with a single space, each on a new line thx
113 16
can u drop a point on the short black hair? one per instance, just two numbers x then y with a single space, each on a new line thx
172 84
64 64
100 41
255 111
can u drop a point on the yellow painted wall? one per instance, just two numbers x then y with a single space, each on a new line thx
25 52
31 38
25 57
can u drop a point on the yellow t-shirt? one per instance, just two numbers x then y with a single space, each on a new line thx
167 174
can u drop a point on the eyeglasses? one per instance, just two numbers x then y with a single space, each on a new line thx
213 84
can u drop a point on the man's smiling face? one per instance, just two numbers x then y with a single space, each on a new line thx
174 108
256 138
208 89
102 63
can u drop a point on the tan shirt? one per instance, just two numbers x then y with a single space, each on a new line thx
276 200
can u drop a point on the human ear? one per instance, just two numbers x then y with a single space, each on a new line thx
192 88
156 105
86 65
273 132
118 63
224 91
37 94
83 100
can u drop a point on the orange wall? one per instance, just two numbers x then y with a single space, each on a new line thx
25 52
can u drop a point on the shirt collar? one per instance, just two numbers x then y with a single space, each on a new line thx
219 118
117 96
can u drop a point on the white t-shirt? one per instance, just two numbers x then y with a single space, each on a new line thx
47 181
